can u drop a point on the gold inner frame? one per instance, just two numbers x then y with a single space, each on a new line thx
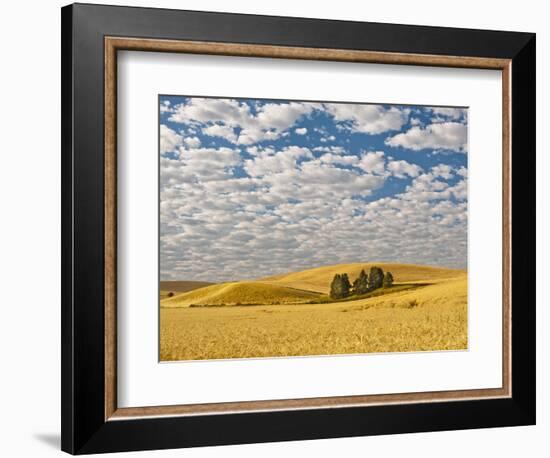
114 44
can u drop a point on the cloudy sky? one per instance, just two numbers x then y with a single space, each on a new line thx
250 188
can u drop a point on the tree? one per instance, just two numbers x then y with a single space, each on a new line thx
340 286
361 283
346 285
376 277
388 280
335 287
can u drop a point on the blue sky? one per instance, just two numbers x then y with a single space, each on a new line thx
252 187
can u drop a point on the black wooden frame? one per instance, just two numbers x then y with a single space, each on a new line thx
84 429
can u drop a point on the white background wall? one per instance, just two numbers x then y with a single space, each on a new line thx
30 227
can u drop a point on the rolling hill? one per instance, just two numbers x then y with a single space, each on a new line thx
319 279
240 293
299 287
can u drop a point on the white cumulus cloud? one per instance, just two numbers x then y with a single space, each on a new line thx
373 162
192 142
170 140
222 117
402 169
449 113
446 135
369 119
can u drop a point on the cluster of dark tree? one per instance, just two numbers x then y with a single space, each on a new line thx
363 284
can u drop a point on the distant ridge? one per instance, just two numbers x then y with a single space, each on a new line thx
182 286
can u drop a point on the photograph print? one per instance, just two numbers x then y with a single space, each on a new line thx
308 228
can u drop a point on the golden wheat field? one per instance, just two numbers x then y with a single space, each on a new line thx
291 315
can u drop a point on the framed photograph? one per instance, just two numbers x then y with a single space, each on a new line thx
283 228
